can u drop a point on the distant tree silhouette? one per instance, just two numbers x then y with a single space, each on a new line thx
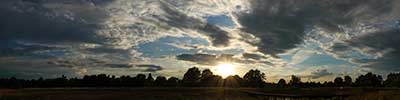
254 78
281 83
339 81
393 80
172 82
369 80
208 79
295 81
216 81
206 74
347 80
140 80
191 77
194 77
149 80
233 81
160 81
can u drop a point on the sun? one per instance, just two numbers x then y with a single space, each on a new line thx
225 69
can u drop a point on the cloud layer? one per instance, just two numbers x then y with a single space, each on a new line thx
82 35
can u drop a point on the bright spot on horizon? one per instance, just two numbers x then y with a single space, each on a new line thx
225 69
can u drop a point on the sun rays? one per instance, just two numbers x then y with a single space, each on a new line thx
225 69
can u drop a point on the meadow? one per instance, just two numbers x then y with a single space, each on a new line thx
181 93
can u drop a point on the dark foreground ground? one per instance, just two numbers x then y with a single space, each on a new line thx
200 94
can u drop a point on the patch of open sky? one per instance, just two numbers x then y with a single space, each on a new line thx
396 24
162 46
221 20
322 59
232 51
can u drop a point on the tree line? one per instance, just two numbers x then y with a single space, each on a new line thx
194 77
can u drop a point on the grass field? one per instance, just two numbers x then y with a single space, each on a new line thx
199 94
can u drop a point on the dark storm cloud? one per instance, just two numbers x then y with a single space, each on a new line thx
381 40
385 43
281 24
218 37
9 49
63 63
319 73
49 21
30 67
175 18
151 68
148 68
253 56
204 59
120 65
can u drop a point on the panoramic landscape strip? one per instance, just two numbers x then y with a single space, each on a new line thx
194 77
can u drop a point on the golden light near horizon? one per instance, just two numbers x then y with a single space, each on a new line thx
225 69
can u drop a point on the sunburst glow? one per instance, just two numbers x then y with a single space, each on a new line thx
225 69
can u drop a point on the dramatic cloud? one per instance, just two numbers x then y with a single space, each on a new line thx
282 24
81 37
253 56
148 68
120 65
151 68
217 36
380 48
208 59
49 21
319 73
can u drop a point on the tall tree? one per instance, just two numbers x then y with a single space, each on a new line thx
207 78
233 81
207 73
281 83
254 78
369 80
160 81
347 80
173 82
393 80
140 80
338 81
149 80
191 77
295 81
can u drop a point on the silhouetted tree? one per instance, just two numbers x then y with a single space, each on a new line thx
254 78
173 82
347 80
140 80
295 81
194 77
216 81
206 74
191 77
208 79
149 80
160 81
393 80
369 80
233 81
281 83
339 81
15 83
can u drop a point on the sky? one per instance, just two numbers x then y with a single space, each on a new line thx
317 40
